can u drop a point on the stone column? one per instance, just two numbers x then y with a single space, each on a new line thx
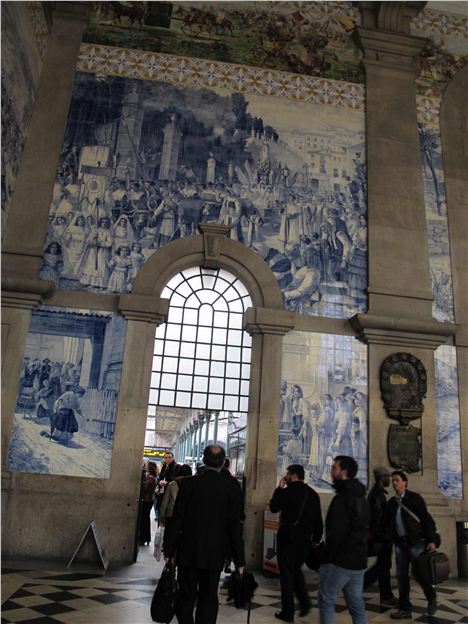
26 226
400 294
267 328
170 153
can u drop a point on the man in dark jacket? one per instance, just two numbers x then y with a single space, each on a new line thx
300 520
345 555
413 530
207 527
379 543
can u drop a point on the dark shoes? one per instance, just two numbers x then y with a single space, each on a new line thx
402 614
389 602
303 611
279 615
432 606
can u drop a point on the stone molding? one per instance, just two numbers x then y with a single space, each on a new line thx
390 16
145 309
268 321
24 292
401 332
213 236
391 50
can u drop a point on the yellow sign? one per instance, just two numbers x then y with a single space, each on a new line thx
150 452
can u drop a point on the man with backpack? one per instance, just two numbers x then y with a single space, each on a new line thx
345 555
300 521
413 531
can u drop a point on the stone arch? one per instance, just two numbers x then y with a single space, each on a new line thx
211 249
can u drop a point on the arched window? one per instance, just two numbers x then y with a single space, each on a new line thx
202 354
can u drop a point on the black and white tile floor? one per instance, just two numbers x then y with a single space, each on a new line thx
47 593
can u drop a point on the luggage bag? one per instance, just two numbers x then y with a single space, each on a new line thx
433 567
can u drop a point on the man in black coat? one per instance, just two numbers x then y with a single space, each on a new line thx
413 530
300 521
345 555
380 543
207 527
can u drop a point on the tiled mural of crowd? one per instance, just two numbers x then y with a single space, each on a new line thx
323 412
153 173
67 394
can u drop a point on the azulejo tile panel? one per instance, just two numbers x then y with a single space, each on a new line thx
448 422
67 397
157 157
323 405
39 25
190 71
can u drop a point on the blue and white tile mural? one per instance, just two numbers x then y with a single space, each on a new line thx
65 412
143 162
323 404
437 223
448 421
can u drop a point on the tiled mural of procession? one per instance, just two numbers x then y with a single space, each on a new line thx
143 163
67 396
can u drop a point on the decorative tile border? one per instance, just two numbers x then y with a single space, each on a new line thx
428 110
439 23
113 61
39 25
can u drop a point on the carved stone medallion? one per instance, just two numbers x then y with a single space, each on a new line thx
403 383
404 447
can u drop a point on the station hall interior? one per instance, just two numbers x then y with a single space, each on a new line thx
240 223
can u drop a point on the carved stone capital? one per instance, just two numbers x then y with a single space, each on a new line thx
24 292
401 332
390 16
391 50
268 321
213 236
144 309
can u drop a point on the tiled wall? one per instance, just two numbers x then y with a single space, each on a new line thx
65 413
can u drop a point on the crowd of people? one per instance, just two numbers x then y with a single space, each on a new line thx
203 520
51 390
309 238
312 433
355 526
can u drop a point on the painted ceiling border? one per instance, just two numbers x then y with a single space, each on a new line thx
126 63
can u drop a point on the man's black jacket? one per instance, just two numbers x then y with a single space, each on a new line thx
347 526
425 530
289 500
378 524
206 523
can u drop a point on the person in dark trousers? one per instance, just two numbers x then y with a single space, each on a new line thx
379 542
300 521
345 554
207 526
149 487
413 531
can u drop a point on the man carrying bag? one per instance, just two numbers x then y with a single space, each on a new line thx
300 521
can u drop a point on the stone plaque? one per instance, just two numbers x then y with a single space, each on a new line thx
403 383
404 447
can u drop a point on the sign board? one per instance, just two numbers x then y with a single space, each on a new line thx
270 529
93 532
155 453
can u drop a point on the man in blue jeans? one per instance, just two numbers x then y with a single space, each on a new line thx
413 530
345 555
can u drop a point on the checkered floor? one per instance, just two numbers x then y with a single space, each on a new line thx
45 594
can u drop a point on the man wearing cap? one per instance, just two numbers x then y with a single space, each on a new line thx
380 543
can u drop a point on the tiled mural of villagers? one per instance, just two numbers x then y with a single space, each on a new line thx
448 421
323 404
445 53
67 396
312 38
21 68
143 162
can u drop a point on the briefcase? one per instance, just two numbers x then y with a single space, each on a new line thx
433 567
